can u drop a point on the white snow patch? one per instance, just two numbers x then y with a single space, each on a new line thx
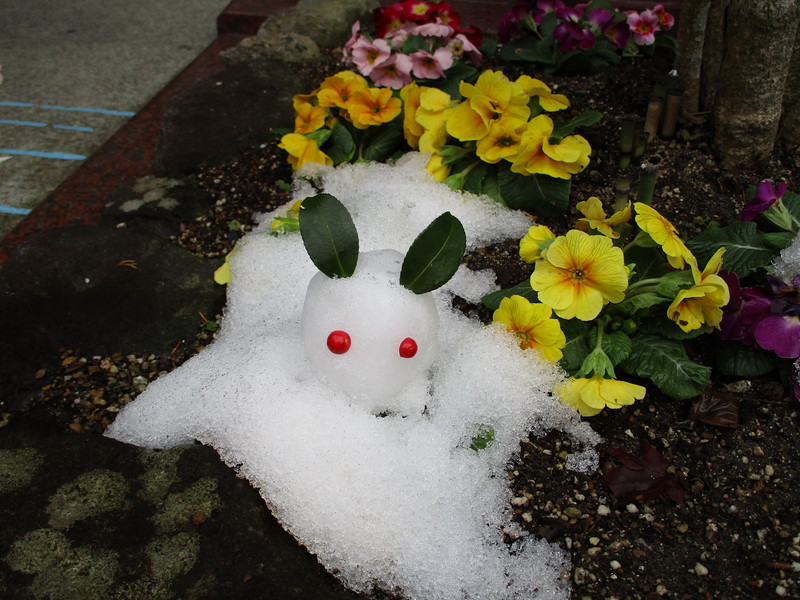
401 500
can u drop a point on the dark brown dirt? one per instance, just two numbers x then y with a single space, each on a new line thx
738 533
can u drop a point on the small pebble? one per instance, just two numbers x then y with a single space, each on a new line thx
700 570
603 510
632 508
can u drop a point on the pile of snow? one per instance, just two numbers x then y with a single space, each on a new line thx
396 499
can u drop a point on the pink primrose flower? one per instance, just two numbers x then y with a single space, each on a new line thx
665 19
431 66
643 26
365 54
437 29
399 36
461 45
354 37
394 72
445 13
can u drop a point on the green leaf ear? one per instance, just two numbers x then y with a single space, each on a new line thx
329 235
434 256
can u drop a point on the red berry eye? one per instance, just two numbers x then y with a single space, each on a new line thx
338 342
408 348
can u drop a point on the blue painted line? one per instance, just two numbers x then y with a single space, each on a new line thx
59 155
104 111
23 104
73 127
27 123
13 210
38 124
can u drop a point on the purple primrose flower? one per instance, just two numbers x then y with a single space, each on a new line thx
767 316
767 194
509 28
569 36
543 7
617 33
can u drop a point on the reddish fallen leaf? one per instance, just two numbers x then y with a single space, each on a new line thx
716 408
642 477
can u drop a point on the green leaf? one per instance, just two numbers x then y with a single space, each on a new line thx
617 346
675 281
597 364
451 82
483 440
492 300
528 49
340 145
382 142
585 119
541 195
791 201
320 135
739 360
434 256
413 43
329 235
649 262
662 326
778 240
666 364
473 182
634 304
746 249
580 339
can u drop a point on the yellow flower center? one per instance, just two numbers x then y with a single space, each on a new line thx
578 274
523 336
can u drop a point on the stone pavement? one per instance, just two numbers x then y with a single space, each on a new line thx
83 516
74 73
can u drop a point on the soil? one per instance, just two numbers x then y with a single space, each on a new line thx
737 532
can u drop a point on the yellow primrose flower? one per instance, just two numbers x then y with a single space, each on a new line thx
309 118
501 141
663 233
534 243
303 150
533 324
222 275
437 168
338 89
595 217
537 155
373 106
434 106
579 274
591 395
493 96
412 130
547 100
703 302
